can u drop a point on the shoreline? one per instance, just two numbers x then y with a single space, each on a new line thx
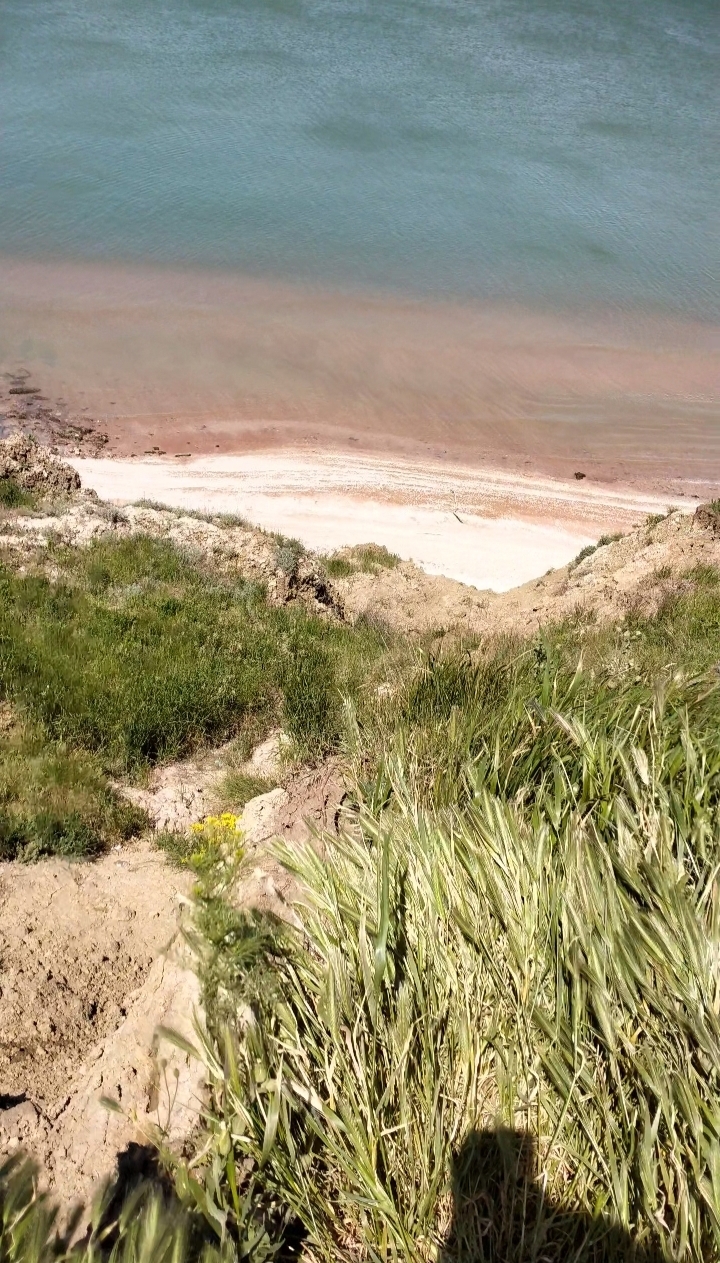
484 527
187 360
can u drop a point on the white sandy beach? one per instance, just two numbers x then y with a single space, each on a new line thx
485 528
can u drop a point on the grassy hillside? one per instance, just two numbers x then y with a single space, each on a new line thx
125 654
496 1035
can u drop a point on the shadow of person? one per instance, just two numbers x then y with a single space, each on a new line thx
501 1214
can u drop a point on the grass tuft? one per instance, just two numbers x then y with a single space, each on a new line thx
589 549
57 801
364 558
13 496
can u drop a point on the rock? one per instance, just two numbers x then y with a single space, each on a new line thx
18 1122
261 819
266 759
707 517
33 468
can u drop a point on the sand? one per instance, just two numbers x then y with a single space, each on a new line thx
483 527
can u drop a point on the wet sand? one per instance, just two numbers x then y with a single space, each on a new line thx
484 528
212 363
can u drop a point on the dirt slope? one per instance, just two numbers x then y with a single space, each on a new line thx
616 576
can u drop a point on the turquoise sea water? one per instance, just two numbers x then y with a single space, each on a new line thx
546 151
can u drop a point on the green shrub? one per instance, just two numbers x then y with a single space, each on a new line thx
339 567
368 558
589 549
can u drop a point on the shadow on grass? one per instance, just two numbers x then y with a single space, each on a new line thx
501 1215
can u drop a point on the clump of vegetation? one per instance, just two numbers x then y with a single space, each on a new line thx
55 800
145 1225
339 567
216 839
589 549
653 519
13 496
367 558
287 555
236 788
495 1033
216 519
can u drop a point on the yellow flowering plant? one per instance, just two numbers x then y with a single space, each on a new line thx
217 837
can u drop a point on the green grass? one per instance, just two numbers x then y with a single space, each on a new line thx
339 567
138 656
13 496
56 801
216 519
495 1035
654 519
365 558
287 554
236 788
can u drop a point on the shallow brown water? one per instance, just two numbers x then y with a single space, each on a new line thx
203 362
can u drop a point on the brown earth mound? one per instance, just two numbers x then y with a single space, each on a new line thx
608 580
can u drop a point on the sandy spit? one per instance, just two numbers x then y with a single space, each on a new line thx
488 529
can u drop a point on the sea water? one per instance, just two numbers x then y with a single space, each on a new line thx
546 152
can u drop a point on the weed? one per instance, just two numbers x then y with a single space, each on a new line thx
216 519
177 844
511 957
287 555
56 801
148 1222
339 567
368 558
13 496
237 788
653 519
589 549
